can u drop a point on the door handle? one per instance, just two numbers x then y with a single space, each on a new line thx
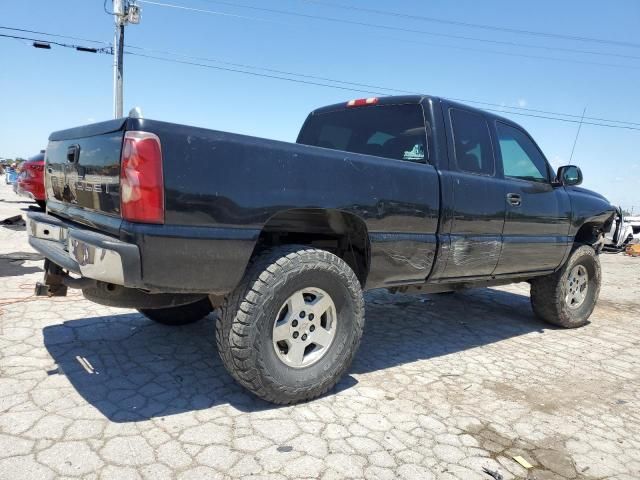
514 199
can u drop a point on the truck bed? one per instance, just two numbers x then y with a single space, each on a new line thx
222 189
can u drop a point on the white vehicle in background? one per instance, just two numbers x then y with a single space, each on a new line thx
635 225
624 230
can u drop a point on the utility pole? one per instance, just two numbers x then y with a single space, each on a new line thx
123 14
118 57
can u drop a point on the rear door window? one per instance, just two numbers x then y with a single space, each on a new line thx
471 142
390 131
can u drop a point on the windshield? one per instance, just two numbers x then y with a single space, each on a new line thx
390 131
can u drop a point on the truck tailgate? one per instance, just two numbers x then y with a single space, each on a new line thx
83 170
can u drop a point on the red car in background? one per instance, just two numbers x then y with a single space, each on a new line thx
31 180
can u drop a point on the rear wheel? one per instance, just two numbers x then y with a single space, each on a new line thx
180 315
567 298
291 328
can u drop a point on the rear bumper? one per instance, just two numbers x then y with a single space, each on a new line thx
84 252
154 258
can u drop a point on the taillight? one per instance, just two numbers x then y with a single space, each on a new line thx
32 169
361 102
141 183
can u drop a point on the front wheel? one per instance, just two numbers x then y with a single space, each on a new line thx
290 330
567 298
180 315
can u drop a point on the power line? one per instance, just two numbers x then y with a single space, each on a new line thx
59 44
201 10
277 77
284 72
555 48
389 27
256 74
366 88
307 82
514 54
395 39
476 25
24 30
374 88
562 119
544 111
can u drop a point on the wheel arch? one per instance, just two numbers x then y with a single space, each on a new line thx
588 233
592 230
342 233
591 216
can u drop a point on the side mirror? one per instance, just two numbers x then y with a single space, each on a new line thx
569 175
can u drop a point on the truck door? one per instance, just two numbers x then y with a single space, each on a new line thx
536 229
473 198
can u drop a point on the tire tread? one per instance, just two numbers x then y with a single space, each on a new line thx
547 292
234 325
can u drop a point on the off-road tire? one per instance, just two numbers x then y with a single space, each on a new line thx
548 293
180 315
244 328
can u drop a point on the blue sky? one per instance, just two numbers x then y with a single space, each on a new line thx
46 90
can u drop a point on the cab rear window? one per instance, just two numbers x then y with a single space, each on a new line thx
391 131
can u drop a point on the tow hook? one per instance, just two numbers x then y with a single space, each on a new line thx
57 281
52 285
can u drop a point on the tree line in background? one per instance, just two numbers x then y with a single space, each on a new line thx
16 163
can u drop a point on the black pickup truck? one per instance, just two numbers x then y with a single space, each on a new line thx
408 193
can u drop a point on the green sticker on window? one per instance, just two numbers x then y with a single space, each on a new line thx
416 153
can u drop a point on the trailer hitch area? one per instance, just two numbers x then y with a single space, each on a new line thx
57 281
52 285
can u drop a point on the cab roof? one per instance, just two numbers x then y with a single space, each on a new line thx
385 100
417 99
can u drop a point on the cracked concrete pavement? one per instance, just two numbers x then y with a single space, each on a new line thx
442 387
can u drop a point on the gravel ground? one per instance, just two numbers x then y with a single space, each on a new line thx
442 387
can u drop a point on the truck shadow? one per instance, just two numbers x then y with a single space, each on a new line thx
143 370
403 328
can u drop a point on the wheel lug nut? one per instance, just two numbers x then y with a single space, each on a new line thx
304 337
311 316
302 314
312 328
295 334
294 323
